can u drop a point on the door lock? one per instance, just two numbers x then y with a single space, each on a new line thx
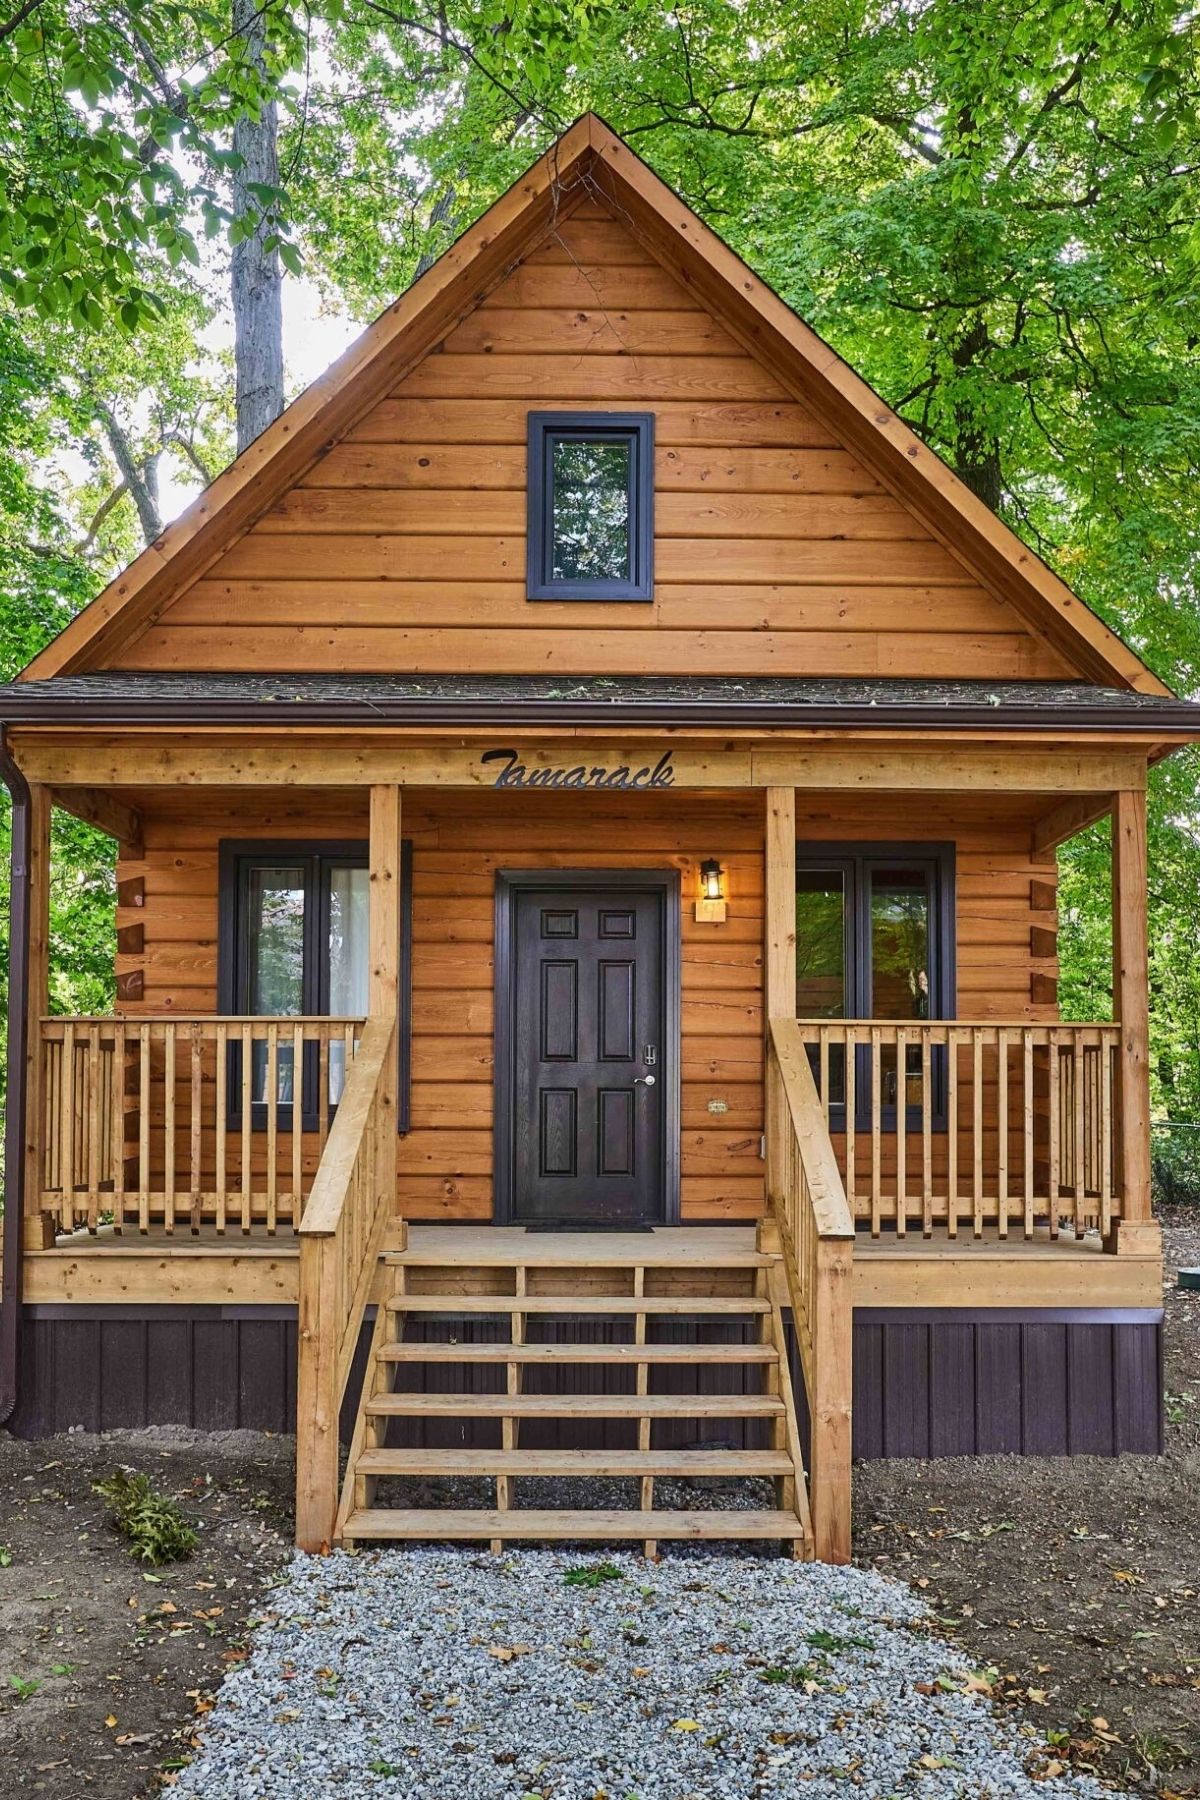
643 1081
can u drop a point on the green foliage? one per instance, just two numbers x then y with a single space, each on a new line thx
156 1529
592 1575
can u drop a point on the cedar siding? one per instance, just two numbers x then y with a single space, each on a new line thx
460 840
776 550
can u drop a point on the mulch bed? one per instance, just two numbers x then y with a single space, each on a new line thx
1076 1581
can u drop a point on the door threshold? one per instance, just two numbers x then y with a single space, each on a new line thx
589 1228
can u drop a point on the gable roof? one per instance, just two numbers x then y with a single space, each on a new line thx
591 159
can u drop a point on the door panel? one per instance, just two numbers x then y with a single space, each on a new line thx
588 1024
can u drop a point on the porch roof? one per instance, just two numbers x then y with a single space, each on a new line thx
135 697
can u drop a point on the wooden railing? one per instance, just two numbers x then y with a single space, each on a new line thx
352 1201
965 1126
816 1233
165 1121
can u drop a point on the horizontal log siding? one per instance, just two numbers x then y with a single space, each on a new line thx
461 839
776 550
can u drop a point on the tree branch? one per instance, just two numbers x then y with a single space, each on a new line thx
18 18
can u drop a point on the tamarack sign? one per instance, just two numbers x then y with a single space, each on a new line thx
516 774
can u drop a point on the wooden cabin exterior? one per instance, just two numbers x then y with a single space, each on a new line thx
587 1024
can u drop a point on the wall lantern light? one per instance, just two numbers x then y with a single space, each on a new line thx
710 907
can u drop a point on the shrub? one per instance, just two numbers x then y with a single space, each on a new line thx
156 1529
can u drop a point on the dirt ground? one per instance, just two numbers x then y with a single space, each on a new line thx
1073 1586
1077 1581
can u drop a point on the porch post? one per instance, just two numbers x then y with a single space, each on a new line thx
1131 997
780 949
37 1233
384 958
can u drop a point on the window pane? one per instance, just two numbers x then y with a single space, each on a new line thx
590 528
821 962
276 956
900 968
348 905
820 944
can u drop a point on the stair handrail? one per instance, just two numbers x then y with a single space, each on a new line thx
353 1198
816 1238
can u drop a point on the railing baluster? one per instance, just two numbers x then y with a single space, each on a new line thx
1079 1097
876 1132
247 1125
196 1123
851 1111
94 1117
926 1133
977 1134
1106 1157
1029 1122
951 1132
1055 1129
144 1030
1002 1131
901 1132
221 1150
66 1155
272 1097
169 1046
117 1129
297 1121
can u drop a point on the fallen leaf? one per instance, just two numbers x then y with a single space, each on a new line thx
686 1725
135 1737
111 1720
506 1652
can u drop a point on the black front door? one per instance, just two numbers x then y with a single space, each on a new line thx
587 1062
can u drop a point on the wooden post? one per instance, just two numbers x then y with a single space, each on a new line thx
38 1230
384 932
1131 1001
780 982
830 1403
317 1398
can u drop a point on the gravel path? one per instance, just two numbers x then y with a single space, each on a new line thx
450 1675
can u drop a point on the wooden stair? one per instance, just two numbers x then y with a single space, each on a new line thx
537 1297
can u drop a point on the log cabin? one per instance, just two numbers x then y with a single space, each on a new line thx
587 783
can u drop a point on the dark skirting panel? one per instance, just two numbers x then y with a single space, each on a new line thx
926 1384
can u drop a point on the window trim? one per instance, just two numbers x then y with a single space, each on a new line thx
543 429
854 860
236 857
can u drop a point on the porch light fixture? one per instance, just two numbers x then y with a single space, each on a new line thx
710 907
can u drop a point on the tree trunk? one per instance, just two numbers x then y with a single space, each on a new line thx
976 450
257 307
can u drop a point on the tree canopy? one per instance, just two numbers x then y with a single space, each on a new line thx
992 210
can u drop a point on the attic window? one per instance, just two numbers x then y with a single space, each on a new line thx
591 506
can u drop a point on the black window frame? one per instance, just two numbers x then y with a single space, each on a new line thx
545 429
856 862
237 857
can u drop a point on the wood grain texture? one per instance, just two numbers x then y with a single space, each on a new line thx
777 551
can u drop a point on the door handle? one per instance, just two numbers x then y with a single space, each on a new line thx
643 1081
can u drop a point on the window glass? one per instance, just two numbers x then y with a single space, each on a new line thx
899 944
590 527
276 972
348 890
820 944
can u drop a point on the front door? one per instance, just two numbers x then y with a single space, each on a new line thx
587 1065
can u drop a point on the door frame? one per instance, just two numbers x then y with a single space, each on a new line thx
509 883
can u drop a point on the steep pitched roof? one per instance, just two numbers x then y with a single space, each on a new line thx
592 159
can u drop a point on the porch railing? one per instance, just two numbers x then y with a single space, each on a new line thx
351 1204
816 1235
182 1122
971 1126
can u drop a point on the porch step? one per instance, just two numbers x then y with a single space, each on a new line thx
581 1304
578 1353
573 1406
712 1281
671 1464
449 1524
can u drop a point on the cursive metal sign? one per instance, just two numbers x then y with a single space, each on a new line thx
516 774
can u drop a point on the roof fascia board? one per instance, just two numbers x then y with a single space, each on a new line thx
325 411
770 330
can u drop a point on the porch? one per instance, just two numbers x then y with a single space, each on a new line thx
984 1162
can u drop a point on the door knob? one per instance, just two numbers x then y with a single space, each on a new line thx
643 1081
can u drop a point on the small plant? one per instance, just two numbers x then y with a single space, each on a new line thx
6 1557
156 1529
23 1687
592 1575
381 1767
832 1643
788 1676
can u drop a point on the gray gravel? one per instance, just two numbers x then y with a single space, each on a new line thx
451 1674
